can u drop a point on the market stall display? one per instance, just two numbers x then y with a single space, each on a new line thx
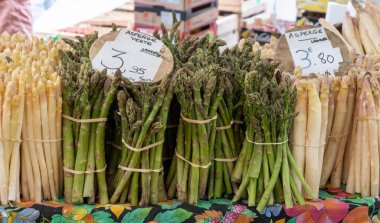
244 128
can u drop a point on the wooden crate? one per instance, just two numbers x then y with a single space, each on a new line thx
227 28
193 19
244 8
180 5
119 18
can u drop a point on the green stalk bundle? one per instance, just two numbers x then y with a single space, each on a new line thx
223 152
143 120
87 98
144 111
269 112
199 89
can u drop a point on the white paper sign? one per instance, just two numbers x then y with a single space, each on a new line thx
312 50
137 55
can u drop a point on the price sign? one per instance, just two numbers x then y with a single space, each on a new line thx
315 50
140 57
312 50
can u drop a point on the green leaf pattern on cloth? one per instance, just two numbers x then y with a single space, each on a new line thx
173 216
335 206
367 200
136 216
204 204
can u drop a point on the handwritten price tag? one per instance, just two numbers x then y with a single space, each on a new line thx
140 57
312 50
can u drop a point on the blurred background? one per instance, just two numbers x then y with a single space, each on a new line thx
229 19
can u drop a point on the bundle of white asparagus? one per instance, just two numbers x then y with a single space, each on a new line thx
30 111
363 31
362 152
345 111
324 106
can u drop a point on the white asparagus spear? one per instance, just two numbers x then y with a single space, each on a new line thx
10 92
359 146
39 148
58 117
52 111
366 40
376 93
39 166
370 27
373 12
337 130
324 97
332 101
26 162
356 128
355 23
17 116
365 182
24 182
46 136
373 140
313 136
349 34
3 178
336 174
299 129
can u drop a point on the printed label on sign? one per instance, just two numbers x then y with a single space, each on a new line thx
312 50
137 55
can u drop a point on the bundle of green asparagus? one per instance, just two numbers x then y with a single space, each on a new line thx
87 98
144 111
226 144
199 90
269 113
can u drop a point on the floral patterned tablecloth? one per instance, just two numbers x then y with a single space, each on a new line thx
334 206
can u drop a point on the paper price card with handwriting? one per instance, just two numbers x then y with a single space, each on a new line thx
313 50
140 57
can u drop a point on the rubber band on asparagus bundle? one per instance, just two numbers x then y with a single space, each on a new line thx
43 140
11 139
93 120
192 164
225 127
140 170
199 122
364 118
225 160
238 122
78 172
323 144
144 148
266 143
